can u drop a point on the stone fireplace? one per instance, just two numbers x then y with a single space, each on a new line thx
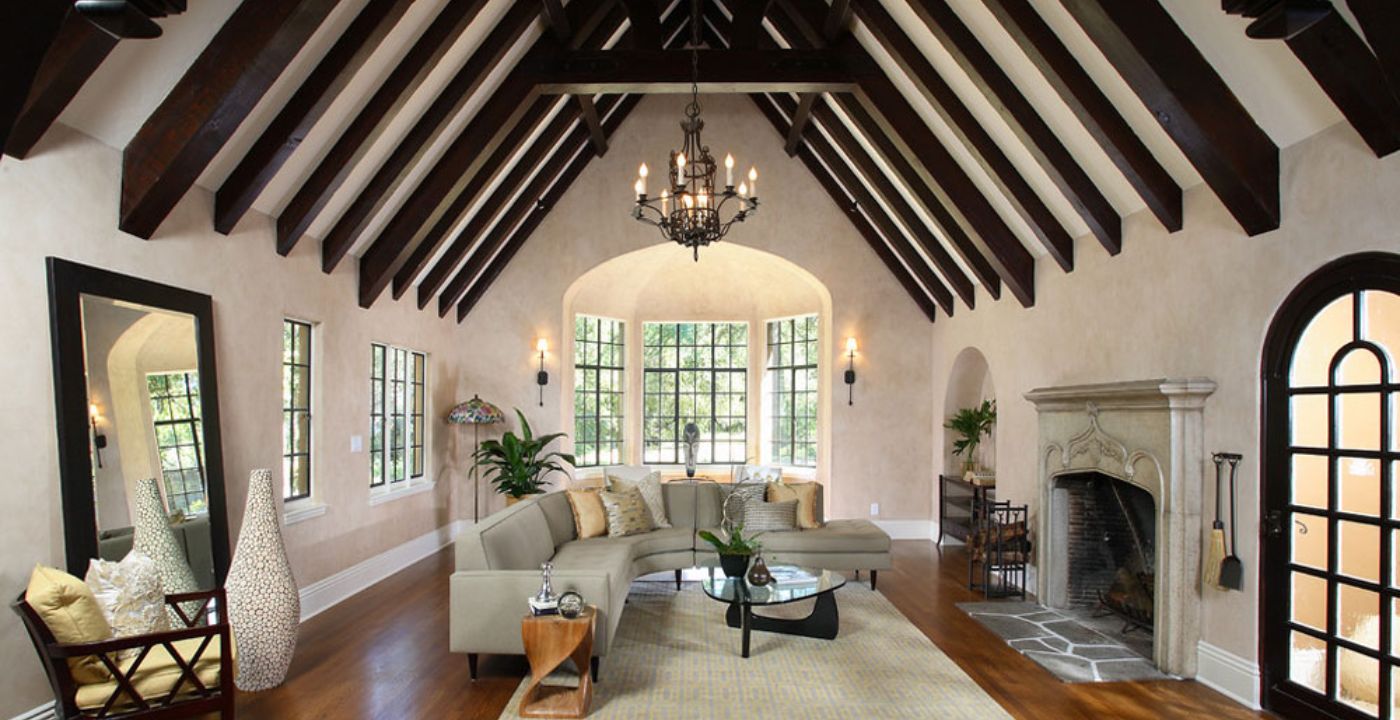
1118 454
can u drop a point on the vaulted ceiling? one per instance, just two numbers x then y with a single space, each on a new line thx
966 140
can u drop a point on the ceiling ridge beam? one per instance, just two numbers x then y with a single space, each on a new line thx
430 126
1380 21
1026 123
32 28
305 108
645 29
1094 110
1192 103
850 207
76 53
534 211
838 21
968 130
747 24
204 109
372 121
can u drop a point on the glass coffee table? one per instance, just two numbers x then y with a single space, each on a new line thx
790 584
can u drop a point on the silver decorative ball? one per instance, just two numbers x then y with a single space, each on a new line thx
570 604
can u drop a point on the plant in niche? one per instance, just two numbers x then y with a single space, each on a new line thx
972 424
519 466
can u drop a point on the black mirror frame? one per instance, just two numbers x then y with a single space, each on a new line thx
68 282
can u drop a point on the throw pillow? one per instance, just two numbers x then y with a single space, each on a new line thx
650 487
763 516
590 518
806 496
737 499
627 513
72 614
130 595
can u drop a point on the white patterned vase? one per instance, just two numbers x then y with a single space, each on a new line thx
154 538
263 605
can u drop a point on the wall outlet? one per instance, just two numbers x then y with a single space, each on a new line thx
874 509
357 443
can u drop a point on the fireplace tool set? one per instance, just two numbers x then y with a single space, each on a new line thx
1223 568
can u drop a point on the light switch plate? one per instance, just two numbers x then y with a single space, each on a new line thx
357 443
874 509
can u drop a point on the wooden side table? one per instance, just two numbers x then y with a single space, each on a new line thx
549 641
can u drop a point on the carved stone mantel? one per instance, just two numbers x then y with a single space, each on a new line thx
1148 433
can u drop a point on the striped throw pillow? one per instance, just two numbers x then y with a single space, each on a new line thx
763 516
627 512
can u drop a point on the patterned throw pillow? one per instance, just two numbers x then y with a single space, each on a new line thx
650 487
806 496
130 595
590 518
737 499
763 516
627 513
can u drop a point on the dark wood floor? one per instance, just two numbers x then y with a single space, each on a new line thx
383 654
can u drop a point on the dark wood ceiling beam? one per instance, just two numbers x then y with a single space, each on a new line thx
440 194
838 21
31 28
372 120
1234 155
645 29
1093 109
669 71
537 207
967 128
76 52
1025 122
557 20
858 215
1380 22
305 108
800 116
424 134
595 125
215 95
875 178
746 27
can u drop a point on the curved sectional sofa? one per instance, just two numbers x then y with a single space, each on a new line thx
498 562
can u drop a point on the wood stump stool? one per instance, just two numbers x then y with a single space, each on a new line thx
549 641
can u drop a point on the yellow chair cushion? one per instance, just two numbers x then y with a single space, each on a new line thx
71 612
590 518
156 676
806 496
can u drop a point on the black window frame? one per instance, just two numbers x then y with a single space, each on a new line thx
178 498
661 388
292 410
788 381
599 363
398 411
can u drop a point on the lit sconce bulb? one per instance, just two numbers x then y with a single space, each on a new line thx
753 181
850 345
728 170
92 411
542 346
642 181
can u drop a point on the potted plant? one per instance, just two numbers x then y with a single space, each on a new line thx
972 424
518 466
735 551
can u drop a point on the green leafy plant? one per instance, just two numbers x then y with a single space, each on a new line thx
518 465
736 544
972 424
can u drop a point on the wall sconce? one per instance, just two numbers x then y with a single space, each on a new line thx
851 371
99 441
542 378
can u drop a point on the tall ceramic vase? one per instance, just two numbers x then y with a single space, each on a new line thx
154 538
263 605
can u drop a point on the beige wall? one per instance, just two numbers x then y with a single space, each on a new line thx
1194 303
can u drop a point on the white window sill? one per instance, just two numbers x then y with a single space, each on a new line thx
402 490
302 510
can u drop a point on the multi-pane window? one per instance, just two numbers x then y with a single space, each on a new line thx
179 432
398 378
695 372
599 351
790 407
296 409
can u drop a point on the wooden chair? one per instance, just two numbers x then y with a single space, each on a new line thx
166 666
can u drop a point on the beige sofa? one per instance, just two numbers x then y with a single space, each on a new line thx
498 562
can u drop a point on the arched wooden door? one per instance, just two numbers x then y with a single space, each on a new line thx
1330 584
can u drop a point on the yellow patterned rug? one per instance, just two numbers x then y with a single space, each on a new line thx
675 657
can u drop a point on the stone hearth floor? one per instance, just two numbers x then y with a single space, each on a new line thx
1064 642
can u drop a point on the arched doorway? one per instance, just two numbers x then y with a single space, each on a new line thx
1330 594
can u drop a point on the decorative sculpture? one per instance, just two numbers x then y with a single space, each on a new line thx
545 602
155 539
264 606
690 439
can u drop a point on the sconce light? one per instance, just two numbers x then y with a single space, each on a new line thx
542 378
99 441
851 371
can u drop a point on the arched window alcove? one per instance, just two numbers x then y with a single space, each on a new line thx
969 383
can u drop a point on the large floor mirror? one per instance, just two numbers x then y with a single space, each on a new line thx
138 419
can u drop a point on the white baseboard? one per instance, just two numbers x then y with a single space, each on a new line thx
1228 673
909 529
327 592
47 711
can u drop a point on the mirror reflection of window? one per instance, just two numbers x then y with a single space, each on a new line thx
176 413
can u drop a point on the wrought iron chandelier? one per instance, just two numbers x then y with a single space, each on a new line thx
689 212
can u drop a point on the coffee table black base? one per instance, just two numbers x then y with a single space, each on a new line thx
824 621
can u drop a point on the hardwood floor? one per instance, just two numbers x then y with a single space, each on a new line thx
383 655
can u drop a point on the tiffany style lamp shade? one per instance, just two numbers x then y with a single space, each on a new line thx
476 412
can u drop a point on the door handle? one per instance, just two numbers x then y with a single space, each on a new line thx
1273 524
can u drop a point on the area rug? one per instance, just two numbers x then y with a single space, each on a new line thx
1063 643
674 657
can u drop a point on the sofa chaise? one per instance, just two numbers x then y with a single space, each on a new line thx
498 562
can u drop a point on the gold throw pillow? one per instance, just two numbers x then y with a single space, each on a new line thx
806 496
627 512
590 519
71 612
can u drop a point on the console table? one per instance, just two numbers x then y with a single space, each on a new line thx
959 502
